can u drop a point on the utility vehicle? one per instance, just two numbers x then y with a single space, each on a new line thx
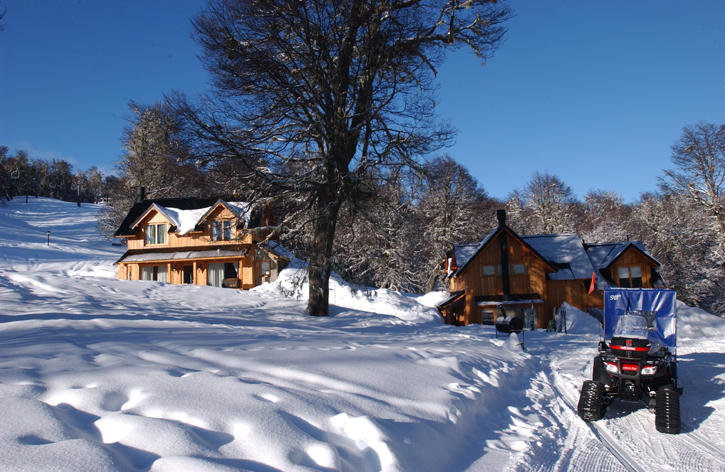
637 358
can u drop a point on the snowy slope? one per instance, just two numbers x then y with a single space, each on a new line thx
102 374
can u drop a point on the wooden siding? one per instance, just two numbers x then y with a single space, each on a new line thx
630 258
191 239
475 283
574 292
552 292
175 270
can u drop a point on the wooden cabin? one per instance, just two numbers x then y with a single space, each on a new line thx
506 274
215 242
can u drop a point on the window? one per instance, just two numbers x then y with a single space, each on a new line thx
219 272
516 269
264 268
630 277
157 273
156 234
636 273
221 230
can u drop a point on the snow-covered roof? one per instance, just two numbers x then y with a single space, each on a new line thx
463 252
281 251
565 252
187 220
604 254
242 210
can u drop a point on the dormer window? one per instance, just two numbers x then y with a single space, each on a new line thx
630 277
156 233
221 230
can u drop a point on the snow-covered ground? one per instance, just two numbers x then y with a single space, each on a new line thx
102 374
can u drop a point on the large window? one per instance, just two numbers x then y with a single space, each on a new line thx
156 234
221 230
219 272
630 277
158 273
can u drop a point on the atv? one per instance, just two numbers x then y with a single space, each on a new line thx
639 362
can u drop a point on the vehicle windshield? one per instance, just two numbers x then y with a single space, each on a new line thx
635 324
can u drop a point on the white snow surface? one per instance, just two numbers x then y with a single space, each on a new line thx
104 374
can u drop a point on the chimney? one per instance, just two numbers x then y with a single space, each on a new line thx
140 194
501 215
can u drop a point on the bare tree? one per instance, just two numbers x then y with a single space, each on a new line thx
157 155
605 217
546 205
676 231
455 209
376 240
314 96
700 159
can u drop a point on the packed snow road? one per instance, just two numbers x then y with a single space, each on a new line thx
626 438
102 374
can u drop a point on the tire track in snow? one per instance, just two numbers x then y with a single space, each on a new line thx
689 450
622 456
698 442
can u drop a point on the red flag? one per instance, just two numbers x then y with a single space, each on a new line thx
591 287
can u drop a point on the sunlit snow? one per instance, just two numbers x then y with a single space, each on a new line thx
104 374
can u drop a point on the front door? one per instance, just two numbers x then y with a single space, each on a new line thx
188 274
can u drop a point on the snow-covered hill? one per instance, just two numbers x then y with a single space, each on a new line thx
102 374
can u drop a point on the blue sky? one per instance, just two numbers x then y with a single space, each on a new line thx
594 92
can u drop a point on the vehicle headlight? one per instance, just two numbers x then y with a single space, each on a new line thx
612 368
649 370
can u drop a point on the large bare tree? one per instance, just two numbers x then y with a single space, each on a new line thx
313 96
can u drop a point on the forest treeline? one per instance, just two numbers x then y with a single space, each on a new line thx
396 236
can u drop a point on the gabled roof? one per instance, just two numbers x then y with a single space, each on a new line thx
604 255
170 216
139 208
242 210
463 252
171 205
450 299
565 252
484 243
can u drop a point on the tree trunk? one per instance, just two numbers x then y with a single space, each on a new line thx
323 233
431 284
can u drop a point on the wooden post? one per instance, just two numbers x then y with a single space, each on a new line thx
195 275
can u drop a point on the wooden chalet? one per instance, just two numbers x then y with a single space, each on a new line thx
216 242
506 274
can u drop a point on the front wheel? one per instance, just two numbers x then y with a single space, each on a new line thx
591 402
667 411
